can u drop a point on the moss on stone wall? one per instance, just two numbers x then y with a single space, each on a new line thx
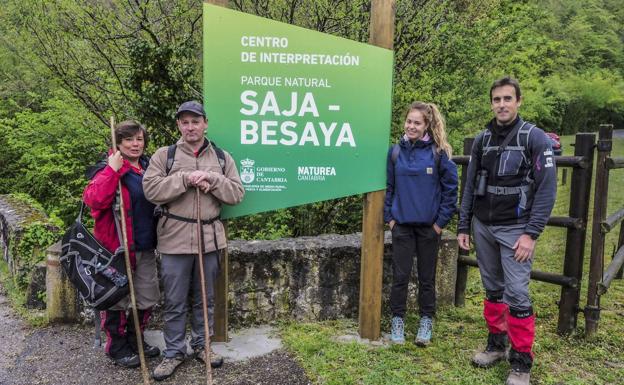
28 232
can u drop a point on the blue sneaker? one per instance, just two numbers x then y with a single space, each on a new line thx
423 338
397 335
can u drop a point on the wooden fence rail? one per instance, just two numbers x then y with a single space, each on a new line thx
599 278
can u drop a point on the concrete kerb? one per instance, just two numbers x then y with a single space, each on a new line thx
383 342
244 344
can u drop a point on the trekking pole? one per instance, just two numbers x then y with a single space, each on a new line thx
124 236
202 278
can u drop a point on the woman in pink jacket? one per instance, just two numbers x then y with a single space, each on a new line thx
126 163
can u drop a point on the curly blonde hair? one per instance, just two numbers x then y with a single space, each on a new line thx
435 124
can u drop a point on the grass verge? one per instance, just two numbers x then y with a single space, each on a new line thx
17 299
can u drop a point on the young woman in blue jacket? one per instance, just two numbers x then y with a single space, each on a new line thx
421 199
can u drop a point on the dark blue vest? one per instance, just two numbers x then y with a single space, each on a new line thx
143 224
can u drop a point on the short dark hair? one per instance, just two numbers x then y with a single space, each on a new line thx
129 128
506 81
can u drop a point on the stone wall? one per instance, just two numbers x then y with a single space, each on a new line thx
10 229
306 278
25 233
63 304
315 278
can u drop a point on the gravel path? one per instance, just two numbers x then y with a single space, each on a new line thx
12 332
59 355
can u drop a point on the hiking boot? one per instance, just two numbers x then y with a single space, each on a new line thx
397 331
131 361
517 377
488 358
493 353
423 338
166 368
521 363
150 351
216 360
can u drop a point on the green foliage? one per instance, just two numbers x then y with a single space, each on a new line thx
162 77
49 152
342 216
349 19
587 100
270 225
128 59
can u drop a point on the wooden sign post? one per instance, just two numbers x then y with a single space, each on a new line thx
221 286
371 269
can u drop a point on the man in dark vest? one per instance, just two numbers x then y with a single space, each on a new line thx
510 191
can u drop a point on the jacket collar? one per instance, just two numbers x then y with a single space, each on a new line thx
424 142
505 129
102 163
186 148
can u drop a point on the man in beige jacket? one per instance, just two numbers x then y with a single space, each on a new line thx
197 165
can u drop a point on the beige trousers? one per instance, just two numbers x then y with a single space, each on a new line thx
145 278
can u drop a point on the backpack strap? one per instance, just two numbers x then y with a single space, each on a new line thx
97 167
220 155
485 141
189 220
82 206
117 217
171 150
522 138
509 137
523 142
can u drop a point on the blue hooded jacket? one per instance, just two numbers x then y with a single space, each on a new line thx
417 191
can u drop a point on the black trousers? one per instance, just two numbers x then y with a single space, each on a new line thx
407 241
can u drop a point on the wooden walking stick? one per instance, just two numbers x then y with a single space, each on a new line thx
202 278
124 235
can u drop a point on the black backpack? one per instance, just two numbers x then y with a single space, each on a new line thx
98 275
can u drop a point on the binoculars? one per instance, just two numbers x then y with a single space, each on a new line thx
481 183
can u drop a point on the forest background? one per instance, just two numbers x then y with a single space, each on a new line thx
66 66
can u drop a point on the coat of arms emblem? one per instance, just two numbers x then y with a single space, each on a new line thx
247 170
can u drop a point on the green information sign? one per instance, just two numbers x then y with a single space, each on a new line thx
306 115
